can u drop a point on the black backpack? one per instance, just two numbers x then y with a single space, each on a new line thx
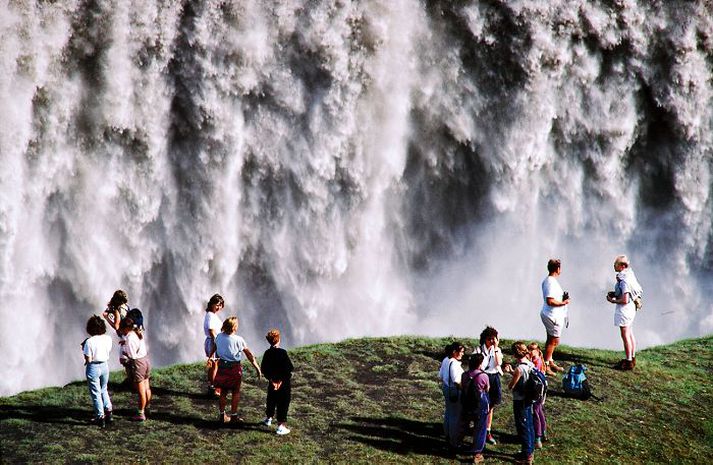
535 388
471 397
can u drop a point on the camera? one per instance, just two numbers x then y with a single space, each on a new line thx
611 294
565 296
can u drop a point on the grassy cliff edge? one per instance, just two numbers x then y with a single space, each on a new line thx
375 400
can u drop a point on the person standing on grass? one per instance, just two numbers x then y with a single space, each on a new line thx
96 351
277 368
137 364
492 360
522 409
627 288
211 328
553 313
451 376
538 408
230 349
479 415
116 309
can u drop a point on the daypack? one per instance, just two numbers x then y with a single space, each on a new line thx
575 382
535 388
136 316
471 397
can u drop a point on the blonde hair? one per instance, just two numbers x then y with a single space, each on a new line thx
230 325
273 336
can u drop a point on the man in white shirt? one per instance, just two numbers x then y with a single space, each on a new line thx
553 313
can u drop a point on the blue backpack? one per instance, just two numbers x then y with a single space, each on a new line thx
575 382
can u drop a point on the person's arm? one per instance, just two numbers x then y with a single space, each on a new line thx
87 359
452 375
252 360
552 302
515 378
498 356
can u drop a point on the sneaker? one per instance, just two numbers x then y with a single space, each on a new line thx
628 365
138 417
108 417
538 443
491 440
282 430
478 458
524 459
267 421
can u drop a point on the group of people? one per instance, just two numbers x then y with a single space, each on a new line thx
133 356
471 395
225 350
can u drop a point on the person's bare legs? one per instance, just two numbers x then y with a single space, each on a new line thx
550 345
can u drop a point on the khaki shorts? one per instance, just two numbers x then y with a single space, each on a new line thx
138 370
553 326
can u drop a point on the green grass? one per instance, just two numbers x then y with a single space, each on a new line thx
375 401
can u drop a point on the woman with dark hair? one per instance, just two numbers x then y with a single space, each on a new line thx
477 381
116 308
211 328
553 313
137 364
96 355
451 374
492 360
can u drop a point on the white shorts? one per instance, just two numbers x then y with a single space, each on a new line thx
553 325
624 315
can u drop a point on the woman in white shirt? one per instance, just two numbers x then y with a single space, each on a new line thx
553 313
96 355
211 328
450 384
138 365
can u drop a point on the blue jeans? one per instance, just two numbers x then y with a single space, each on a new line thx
523 423
97 380
480 432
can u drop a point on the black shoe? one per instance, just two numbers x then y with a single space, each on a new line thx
108 417
98 421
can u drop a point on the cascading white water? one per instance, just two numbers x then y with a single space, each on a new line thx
340 169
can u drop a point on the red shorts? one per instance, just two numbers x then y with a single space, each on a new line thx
228 377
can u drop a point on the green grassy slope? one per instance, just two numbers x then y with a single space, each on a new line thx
375 401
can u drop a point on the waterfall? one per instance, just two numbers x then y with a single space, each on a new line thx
341 168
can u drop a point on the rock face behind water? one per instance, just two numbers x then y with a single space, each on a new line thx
347 168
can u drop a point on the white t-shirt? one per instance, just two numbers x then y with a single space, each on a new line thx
489 364
551 288
454 368
211 321
134 347
443 371
229 347
98 348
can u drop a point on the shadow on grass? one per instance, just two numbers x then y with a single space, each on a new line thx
81 417
399 435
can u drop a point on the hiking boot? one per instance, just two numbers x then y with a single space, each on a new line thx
633 362
478 458
267 421
619 364
628 365
138 417
108 417
555 367
282 430
491 440
236 420
538 443
524 459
